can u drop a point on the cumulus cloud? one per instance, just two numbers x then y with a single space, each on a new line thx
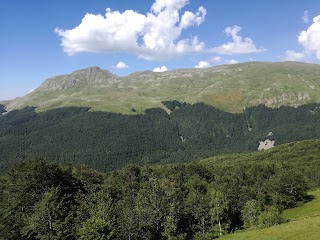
294 56
156 35
310 39
305 17
121 65
160 69
238 44
189 19
203 64
231 61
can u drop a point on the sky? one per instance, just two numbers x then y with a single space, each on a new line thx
42 39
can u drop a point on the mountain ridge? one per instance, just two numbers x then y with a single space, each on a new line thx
228 87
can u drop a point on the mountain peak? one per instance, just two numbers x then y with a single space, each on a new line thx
93 70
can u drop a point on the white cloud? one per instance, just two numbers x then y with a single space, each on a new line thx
189 19
294 56
155 35
305 17
121 65
202 64
231 61
160 69
310 39
160 5
238 45
216 59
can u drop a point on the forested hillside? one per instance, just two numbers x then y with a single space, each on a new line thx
107 141
199 200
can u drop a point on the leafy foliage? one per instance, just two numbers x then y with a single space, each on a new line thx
200 200
301 223
37 198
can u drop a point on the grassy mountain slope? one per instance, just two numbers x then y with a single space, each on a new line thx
293 152
304 224
4 102
228 87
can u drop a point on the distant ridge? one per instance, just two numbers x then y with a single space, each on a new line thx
228 87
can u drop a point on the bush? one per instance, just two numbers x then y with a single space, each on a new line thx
270 217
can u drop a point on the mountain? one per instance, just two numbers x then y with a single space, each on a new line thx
228 87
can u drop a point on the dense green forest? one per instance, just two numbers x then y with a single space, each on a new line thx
199 200
107 141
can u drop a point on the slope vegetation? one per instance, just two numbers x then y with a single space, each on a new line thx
228 87
107 141
200 200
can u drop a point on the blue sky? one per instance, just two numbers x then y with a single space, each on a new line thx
41 39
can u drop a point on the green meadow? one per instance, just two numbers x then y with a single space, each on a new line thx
303 224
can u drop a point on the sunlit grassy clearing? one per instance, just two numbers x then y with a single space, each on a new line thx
304 224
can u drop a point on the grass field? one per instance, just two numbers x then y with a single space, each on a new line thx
303 224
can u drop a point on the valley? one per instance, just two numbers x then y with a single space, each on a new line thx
160 120
230 151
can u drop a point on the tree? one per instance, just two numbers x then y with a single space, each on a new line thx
96 209
250 213
271 216
171 229
48 217
127 219
288 187
218 206
96 228
36 190
197 207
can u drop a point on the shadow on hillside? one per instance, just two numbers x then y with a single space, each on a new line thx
308 198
